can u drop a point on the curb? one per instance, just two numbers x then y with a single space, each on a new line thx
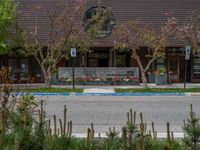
192 94
109 94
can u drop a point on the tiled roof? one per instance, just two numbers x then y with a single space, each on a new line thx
147 11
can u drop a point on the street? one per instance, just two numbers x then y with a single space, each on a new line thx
105 112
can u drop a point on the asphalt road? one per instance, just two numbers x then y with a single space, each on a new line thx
106 112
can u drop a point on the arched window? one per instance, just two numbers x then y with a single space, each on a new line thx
99 16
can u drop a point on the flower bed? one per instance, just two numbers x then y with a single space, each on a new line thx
117 80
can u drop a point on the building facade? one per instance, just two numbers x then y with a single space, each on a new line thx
146 11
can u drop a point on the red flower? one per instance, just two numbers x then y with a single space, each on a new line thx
116 78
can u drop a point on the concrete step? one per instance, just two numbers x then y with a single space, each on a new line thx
98 90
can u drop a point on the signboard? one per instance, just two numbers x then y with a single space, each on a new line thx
187 52
73 52
98 72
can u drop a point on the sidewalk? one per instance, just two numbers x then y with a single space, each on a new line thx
109 90
174 85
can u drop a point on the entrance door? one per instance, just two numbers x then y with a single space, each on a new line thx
173 69
13 66
103 62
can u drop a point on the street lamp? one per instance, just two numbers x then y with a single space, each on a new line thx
73 55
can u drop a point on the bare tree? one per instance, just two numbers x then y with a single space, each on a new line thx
132 34
66 29
188 32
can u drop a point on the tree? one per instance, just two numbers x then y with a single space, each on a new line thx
191 130
132 34
66 30
7 17
188 32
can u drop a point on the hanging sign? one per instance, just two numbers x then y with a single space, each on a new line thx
73 52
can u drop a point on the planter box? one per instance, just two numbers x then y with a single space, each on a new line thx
99 83
161 79
151 78
126 83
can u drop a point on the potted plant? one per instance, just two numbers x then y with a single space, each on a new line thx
130 80
116 80
79 80
150 77
161 76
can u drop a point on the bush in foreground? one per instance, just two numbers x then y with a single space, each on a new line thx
25 127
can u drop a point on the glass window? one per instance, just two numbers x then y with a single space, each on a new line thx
122 60
1 63
196 68
36 73
161 63
24 73
12 62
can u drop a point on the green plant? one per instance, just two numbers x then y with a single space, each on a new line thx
192 131
160 71
108 78
21 122
177 90
77 90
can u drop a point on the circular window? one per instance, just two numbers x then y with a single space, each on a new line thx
99 20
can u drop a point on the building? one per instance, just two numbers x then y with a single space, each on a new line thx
147 11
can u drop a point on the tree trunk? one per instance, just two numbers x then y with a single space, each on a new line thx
2 126
47 80
142 71
144 78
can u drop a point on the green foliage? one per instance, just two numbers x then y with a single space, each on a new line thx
21 123
29 129
100 21
176 90
56 142
7 17
192 132
78 90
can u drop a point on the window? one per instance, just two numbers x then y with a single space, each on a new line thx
91 21
1 63
196 67
36 71
122 60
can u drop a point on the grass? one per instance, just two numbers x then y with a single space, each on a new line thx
56 90
134 90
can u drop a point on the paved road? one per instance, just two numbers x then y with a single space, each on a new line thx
105 112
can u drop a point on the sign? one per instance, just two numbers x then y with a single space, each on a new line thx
187 52
188 49
98 72
73 52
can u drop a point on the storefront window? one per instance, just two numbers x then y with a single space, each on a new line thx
1 63
36 74
196 68
98 59
161 63
13 68
121 60
24 73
